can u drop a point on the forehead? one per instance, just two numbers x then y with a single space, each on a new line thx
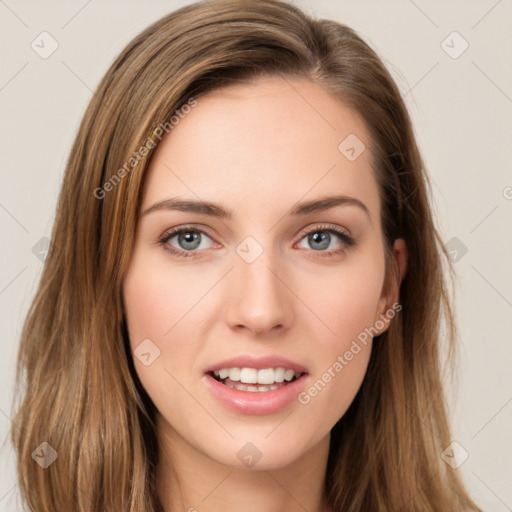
273 139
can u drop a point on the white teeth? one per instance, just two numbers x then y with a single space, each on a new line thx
234 373
279 374
288 375
266 376
249 375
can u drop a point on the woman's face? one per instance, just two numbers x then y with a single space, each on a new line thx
265 276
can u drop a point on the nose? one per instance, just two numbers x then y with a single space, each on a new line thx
259 297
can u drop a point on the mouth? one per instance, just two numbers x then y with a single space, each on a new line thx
252 391
256 380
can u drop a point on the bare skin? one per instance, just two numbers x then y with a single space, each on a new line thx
256 149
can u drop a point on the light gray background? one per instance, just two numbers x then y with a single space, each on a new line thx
461 110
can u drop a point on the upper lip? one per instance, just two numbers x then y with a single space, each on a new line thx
259 363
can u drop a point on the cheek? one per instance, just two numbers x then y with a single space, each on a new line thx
346 300
158 298
348 304
157 303
341 358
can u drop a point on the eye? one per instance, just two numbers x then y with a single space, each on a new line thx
322 237
188 240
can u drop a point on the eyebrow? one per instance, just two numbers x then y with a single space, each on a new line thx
216 210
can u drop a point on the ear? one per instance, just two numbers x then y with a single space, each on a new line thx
388 302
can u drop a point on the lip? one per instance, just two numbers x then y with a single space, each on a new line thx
255 402
259 363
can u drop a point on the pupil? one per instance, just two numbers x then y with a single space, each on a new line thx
320 237
189 237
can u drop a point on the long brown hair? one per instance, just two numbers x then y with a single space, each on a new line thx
77 388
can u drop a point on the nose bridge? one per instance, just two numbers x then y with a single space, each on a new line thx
258 299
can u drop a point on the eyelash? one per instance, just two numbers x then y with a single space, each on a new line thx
346 240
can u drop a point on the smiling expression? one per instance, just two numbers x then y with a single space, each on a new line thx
280 262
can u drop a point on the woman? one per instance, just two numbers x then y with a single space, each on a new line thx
241 304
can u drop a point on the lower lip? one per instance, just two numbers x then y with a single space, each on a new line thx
255 402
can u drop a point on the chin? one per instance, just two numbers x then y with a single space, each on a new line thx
262 452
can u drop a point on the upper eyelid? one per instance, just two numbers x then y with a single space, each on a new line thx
325 226
170 233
